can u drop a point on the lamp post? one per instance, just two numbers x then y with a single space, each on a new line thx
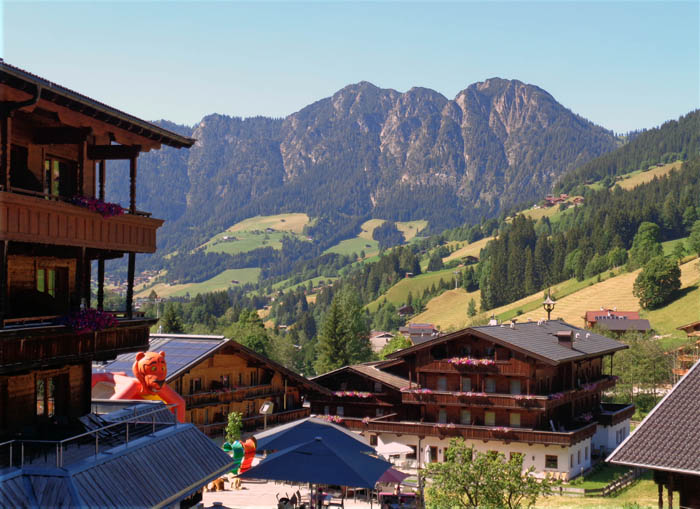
548 305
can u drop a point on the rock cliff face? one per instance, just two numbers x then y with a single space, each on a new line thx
367 151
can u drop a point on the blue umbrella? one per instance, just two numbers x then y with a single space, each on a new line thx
319 462
298 432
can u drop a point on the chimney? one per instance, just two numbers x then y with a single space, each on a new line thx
565 338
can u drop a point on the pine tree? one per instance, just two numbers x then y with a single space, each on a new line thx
471 310
171 321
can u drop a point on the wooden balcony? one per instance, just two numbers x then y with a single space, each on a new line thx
511 367
234 394
485 433
614 414
37 219
490 400
28 347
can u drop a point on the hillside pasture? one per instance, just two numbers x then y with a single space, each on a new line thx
411 229
472 249
252 233
222 281
449 310
637 178
398 293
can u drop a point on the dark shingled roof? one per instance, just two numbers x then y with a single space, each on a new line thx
616 325
370 370
536 339
669 437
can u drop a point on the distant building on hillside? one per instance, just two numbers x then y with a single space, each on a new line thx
685 356
406 310
668 442
379 339
617 322
419 332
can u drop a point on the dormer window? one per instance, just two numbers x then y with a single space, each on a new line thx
59 178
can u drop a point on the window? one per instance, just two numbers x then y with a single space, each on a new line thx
46 397
343 386
195 385
515 386
412 455
340 410
514 420
379 412
225 381
466 351
373 440
326 410
572 461
579 456
377 387
586 453
59 178
240 379
489 418
465 417
466 384
442 383
433 454
442 416
490 385
551 462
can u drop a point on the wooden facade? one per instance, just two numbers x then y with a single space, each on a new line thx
54 144
472 386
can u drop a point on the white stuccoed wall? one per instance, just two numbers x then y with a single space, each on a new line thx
607 438
534 455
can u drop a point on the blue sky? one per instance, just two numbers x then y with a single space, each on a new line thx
623 65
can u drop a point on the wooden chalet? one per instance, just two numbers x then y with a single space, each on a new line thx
531 388
54 147
216 376
668 442
54 223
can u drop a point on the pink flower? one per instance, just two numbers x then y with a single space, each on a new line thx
105 209
90 320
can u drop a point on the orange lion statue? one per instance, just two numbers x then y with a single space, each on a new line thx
150 370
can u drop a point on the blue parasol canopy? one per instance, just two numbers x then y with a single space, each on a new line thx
298 432
318 461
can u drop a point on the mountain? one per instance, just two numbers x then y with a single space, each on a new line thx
367 152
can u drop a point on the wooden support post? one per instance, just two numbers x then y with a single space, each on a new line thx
100 283
130 286
80 278
5 149
4 301
82 158
661 495
670 490
102 180
87 269
285 393
132 185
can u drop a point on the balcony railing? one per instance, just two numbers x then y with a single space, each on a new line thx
30 346
614 414
511 367
202 399
35 219
492 400
565 438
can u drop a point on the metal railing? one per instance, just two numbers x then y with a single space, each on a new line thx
47 448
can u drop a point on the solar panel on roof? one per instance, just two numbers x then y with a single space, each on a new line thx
179 353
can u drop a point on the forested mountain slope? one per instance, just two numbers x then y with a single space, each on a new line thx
366 152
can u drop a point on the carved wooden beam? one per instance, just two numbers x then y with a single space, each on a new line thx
99 152
61 135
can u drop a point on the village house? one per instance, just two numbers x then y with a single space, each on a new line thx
616 322
419 332
532 388
216 375
668 442
379 339
54 223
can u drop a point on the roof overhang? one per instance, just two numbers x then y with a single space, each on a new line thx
57 98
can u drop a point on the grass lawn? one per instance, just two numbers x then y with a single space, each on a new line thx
671 244
398 293
643 493
636 178
293 223
355 245
449 310
601 477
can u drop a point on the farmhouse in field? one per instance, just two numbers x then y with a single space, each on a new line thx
419 332
668 442
617 322
532 388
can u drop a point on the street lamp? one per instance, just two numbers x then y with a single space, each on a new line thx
548 305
